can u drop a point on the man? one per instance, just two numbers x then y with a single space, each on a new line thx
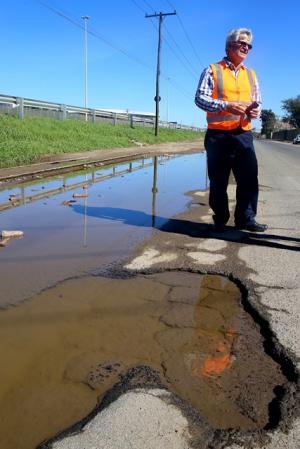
229 93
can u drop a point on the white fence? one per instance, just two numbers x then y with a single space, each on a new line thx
25 106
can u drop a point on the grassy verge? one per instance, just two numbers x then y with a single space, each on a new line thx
26 141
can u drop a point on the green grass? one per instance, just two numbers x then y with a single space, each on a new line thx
27 141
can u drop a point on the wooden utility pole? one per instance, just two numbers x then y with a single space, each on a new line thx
157 97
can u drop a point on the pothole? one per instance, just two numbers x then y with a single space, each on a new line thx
62 351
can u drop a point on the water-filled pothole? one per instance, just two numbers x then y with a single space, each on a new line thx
64 349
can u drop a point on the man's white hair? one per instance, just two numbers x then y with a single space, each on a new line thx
233 36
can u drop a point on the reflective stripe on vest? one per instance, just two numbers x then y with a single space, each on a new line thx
223 118
241 91
219 81
251 80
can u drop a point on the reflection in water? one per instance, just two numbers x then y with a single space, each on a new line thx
34 190
85 217
59 243
154 192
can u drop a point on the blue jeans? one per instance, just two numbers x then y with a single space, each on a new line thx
226 151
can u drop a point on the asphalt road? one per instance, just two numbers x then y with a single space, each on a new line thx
280 153
280 147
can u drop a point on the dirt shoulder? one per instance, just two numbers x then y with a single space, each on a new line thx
62 163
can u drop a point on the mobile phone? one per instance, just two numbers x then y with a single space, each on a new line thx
251 106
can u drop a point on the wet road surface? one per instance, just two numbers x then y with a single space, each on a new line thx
61 351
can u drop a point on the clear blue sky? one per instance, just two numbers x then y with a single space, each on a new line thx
43 53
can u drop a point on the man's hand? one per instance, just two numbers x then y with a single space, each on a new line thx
234 107
255 113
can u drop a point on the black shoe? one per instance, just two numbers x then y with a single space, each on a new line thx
253 227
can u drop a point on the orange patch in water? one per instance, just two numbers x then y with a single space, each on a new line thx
231 332
215 365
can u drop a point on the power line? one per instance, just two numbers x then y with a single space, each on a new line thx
177 86
148 4
179 58
103 39
59 13
138 6
186 34
144 11
189 40
165 76
94 33
190 68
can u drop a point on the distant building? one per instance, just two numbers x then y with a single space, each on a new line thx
281 125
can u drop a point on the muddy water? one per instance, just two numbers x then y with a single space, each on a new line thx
61 351
66 236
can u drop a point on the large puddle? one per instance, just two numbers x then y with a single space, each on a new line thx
82 222
61 351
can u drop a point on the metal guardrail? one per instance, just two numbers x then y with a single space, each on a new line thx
25 106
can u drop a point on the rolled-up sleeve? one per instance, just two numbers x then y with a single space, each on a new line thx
203 97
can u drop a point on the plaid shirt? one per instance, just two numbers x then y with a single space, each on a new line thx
203 97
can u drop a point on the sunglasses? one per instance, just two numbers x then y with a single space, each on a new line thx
243 44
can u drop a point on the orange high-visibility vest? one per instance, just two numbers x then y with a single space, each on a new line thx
230 88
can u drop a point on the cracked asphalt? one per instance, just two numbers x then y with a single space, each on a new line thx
266 264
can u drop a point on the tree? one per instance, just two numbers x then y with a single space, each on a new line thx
268 120
292 108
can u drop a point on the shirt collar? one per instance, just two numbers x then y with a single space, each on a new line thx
230 65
